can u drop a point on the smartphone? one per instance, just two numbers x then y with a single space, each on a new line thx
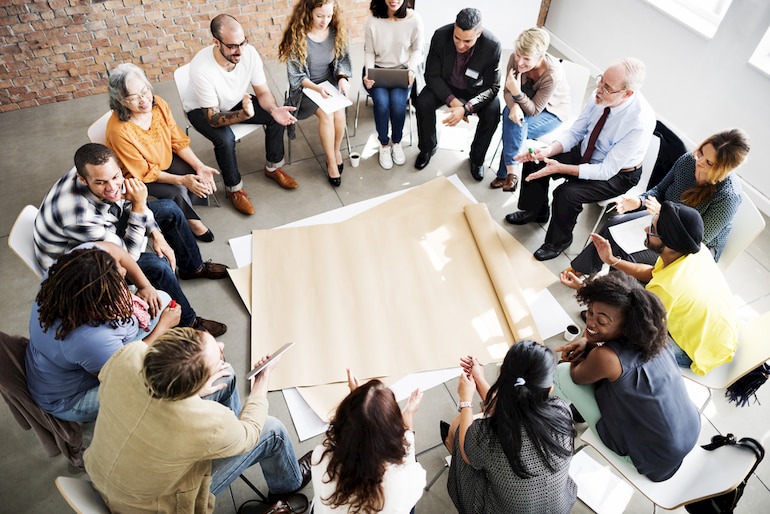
273 356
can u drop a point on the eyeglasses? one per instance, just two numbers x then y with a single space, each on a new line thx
604 88
234 46
144 93
650 230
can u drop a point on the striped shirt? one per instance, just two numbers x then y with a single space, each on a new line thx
71 214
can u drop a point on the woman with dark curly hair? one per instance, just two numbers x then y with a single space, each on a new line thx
622 377
516 457
367 462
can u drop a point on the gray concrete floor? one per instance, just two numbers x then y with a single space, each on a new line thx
38 145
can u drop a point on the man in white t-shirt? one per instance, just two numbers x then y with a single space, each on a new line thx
218 97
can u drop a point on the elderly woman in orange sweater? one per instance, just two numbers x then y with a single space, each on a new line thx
151 147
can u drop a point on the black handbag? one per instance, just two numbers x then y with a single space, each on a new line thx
726 502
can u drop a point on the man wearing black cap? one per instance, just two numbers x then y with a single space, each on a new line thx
701 316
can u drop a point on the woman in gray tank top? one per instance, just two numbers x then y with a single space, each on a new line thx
315 49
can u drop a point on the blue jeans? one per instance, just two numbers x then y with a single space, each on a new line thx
224 140
682 359
274 453
177 232
389 104
514 135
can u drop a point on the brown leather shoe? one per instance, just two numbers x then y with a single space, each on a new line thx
511 181
210 270
497 183
214 328
241 202
282 178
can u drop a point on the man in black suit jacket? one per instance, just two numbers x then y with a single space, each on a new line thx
462 71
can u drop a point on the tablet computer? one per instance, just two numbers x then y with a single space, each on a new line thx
273 356
389 78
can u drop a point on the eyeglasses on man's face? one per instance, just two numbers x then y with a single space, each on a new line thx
235 46
606 90
651 231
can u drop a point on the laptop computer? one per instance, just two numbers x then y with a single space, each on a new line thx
389 78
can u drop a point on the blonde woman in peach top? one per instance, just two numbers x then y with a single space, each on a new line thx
151 147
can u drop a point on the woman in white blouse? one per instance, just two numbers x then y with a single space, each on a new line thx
393 39
367 461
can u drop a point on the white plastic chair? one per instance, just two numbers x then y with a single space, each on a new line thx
81 495
648 164
748 223
97 132
752 351
20 239
577 77
703 473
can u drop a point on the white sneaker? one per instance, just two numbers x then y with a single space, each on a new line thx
398 154
386 161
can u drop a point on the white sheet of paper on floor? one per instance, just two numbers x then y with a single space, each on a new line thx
306 421
630 235
598 487
550 317
456 138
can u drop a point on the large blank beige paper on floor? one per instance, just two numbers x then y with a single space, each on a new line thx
398 289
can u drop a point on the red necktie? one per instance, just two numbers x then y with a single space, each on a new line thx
594 136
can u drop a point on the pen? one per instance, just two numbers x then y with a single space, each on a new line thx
532 152
615 206
172 304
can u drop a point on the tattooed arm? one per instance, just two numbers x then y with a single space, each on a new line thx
221 119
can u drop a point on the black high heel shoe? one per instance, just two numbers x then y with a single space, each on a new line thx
341 167
335 181
444 430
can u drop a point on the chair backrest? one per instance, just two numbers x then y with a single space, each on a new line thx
577 77
752 350
696 478
81 495
97 132
182 82
20 239
747 225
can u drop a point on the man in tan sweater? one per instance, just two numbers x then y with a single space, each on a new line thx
159 447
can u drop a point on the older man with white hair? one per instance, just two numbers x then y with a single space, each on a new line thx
600 156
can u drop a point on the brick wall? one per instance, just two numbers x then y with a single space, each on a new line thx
56 50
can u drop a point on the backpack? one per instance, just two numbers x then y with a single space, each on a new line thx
726 502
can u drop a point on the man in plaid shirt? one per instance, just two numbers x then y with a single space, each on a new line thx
88 204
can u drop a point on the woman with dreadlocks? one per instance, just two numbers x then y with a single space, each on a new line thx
83 313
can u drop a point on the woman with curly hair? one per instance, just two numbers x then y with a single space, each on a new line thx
83 313
516 457
367 462
315 49
622 377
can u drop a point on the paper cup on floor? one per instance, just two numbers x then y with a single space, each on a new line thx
355 159
571 333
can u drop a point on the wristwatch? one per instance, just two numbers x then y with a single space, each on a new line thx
463 405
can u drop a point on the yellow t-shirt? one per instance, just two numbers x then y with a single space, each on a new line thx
701 315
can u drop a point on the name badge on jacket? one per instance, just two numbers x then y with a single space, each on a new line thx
471 73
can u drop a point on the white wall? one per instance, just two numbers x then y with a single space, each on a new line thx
697 86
